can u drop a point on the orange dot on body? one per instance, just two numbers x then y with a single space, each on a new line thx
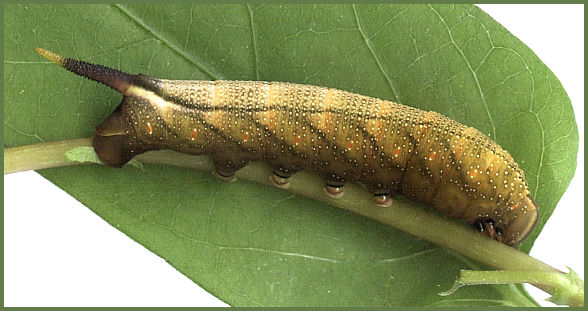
397 152
350 145
298 139
432 156
459 149
193 134
245 136
149 128
327 118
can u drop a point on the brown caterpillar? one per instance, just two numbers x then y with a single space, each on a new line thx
391 148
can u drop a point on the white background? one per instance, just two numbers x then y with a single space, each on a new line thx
58 253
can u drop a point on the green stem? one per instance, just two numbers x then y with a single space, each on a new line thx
425 224
568 288
40 156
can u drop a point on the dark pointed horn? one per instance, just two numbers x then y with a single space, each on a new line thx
117 80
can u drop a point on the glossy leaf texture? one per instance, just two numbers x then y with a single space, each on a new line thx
252 245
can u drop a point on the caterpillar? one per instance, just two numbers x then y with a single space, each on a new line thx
342 136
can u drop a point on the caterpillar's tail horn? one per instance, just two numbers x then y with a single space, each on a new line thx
117 80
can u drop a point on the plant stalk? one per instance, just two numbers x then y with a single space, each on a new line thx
424 224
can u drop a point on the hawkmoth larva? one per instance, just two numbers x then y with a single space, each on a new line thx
391 148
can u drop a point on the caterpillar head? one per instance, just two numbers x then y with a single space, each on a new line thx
522 218
525 216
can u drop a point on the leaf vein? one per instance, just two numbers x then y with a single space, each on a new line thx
373 53
467 62
254 39
174 47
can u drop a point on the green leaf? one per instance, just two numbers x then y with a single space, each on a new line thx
253 245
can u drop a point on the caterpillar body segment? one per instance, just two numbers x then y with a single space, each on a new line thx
390 148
